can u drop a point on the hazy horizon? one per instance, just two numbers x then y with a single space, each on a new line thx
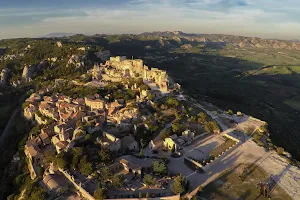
254 18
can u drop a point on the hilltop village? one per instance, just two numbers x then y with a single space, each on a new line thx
135 136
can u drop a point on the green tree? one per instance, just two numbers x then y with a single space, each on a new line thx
141 153
85 167
100 194
194 198
140 195
20 180
147 195
149 180
280 150
60 161
200 189
150 96
77 153
144 87
176 126
230 112
37 194
159 167
178 186
49 156
211 127
104 154
171 101
202 117
118 180
105 174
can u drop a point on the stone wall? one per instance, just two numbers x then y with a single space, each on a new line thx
231 138
174 197
83 192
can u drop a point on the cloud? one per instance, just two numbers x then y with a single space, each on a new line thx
246 17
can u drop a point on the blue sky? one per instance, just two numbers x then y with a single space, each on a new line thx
262 18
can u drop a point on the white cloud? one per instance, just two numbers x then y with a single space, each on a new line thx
248 17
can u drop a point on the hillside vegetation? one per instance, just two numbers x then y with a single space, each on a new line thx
255 76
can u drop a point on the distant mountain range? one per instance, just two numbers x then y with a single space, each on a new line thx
53 35
224 40
174 38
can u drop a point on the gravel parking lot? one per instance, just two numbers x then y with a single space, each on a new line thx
201 149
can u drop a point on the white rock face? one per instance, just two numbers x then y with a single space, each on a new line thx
59 44
27 73
3 76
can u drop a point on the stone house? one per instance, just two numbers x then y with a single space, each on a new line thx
29 111
128 142
61 146
40 119
130 166
155 144
45 138
59 128
35 159
66 134
94 104
110 141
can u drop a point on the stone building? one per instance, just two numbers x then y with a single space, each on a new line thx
110 141
94 104
136 68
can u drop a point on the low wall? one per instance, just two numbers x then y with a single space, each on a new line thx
175 197
201 135
258 120
231 138
194 162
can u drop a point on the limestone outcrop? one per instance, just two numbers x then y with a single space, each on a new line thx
27 73
4 76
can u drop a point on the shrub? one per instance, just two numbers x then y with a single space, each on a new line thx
280 150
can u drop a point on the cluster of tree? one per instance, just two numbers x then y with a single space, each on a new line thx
72 90
177 126
100 194
172 102
31 188
80 161
180 185
149 180
105 176
159 168
105 155
209 126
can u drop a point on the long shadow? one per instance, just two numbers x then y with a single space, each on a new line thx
250 169
245 195
275 180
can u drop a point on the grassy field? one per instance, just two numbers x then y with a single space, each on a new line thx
293 103
241 184
222 148
276 70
